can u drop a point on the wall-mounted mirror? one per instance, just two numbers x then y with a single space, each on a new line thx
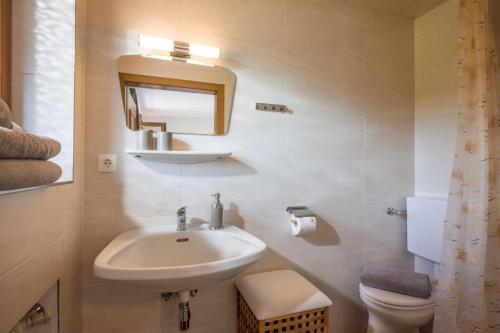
176 96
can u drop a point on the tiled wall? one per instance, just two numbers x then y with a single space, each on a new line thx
345 150
436 98
40 231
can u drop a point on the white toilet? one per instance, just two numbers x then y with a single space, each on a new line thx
396 313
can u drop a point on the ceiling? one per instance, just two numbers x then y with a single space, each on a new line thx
406 8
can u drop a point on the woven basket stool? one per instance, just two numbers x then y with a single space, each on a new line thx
281 301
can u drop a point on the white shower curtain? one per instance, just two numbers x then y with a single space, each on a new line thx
468 292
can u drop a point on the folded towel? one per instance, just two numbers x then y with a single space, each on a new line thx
16 174
21 145
16 127
5 115
401 282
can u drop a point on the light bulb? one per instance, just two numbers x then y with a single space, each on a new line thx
156 43
204 51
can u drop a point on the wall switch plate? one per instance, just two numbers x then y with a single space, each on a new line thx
107 163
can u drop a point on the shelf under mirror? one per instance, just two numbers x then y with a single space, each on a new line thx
179 156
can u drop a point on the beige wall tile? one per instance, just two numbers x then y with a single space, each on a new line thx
389 136
388 180
71 321
70 280
345 149
315 182
25 284
40 229
336 275
391 256
382 230
125 194
19 222
349 316
436 98
325 84
339 230
247 183
432 177
435 136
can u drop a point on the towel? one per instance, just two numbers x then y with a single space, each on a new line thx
5 115
16 127
21 145
16 174
398 281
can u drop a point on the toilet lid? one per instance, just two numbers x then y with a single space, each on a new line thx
395 299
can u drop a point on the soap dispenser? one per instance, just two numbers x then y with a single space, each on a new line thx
216 213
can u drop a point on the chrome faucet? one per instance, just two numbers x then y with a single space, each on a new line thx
181 219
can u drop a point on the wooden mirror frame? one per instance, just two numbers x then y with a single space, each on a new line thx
135 80
5 49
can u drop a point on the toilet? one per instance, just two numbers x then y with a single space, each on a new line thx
395 313
390 312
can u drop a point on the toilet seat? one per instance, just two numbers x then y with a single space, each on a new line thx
394 300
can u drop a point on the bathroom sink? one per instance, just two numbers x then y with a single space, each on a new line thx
163 257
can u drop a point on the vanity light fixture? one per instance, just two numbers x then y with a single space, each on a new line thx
180 51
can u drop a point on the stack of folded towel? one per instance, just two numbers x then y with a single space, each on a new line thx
23 156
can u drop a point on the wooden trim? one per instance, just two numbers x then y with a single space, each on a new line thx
167 83
220 111
145 81
161 126
5 49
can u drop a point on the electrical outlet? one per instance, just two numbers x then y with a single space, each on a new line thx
107 163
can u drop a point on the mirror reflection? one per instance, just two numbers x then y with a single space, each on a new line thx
175 97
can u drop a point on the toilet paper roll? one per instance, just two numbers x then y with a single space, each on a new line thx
302 226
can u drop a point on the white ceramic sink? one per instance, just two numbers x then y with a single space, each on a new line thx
164 257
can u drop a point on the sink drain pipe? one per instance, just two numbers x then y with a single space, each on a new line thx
184 310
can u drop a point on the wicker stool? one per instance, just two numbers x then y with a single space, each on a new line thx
281 301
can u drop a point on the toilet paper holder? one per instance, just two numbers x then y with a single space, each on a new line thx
300 211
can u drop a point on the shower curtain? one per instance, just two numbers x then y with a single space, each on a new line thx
468 291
